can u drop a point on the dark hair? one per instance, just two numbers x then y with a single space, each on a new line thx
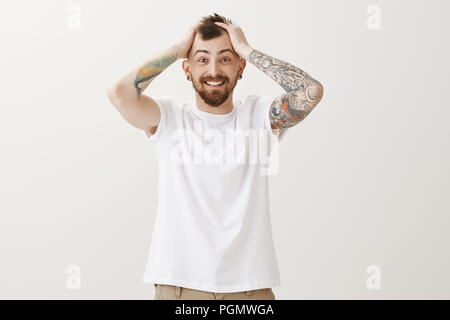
208 29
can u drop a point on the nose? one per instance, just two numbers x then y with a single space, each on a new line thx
214 71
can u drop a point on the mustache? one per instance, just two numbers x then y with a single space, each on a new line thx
214 80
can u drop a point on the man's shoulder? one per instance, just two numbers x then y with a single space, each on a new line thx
258 101
259 98
170 100
168 97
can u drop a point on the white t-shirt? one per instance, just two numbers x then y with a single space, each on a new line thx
212 227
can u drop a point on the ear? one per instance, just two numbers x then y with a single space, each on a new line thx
185 66
242 64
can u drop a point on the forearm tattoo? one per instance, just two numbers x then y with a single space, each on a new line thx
150 70
303 92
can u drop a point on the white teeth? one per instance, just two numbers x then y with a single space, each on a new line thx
215 83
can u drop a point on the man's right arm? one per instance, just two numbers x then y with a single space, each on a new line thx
126 95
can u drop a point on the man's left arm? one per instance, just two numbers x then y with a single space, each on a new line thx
303 92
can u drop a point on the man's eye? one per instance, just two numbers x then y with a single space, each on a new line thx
200 60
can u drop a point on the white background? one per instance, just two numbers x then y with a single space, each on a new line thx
363 180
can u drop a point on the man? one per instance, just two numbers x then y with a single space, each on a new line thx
212 236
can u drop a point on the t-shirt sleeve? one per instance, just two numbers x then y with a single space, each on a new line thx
265 103
165 104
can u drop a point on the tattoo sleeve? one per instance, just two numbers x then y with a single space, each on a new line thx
151 69
302 91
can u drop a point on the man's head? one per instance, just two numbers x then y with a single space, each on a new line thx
212 58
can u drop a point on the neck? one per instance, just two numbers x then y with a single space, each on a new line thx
224 108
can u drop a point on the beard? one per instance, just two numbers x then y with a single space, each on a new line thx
211 96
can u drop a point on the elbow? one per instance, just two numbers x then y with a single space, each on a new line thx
114 94
111 93
315 92
318 90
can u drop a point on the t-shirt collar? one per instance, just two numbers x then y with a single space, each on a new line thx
204 114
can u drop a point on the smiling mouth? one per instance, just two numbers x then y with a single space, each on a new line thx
214 86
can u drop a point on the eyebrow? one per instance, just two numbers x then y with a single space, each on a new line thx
219 52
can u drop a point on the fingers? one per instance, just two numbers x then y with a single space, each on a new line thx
195 26
226 25
221 24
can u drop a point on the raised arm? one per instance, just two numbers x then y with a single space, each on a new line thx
303 92
126 94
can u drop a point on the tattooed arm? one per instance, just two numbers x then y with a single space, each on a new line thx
126 94
303 92
152 69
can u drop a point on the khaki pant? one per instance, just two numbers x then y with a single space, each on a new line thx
169 292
